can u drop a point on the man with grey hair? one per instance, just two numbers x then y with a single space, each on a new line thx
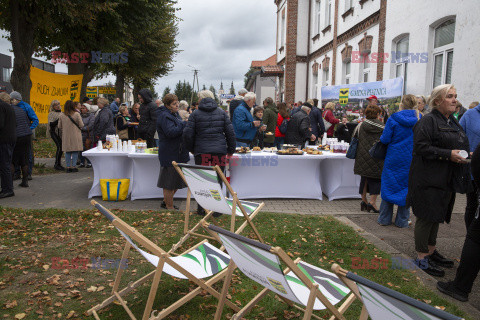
243 124
182 110
236 101
298 129
159 103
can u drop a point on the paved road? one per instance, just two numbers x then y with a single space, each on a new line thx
69 191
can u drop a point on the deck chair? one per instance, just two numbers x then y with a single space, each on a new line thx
201 261
382 303
204 185
301 283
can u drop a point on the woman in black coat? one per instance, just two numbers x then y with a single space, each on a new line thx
209 134
437 172
170 148
342 132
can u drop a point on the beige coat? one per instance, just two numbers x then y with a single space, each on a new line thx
71 135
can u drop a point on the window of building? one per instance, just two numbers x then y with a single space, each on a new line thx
347 72
325 77
314 87
401 60
443 53
282 39
328 12
6 74
348 4
318 26
365 68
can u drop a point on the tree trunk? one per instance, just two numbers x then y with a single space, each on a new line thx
84 69
120 85
22 37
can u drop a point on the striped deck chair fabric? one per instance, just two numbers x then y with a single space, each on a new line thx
207 191
384 303
202 262
262 264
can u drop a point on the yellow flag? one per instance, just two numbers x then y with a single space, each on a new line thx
47 86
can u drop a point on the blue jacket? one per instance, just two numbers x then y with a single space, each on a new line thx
209 130
398 136
470 122
316 122
114 107
170 146
32 116
243 123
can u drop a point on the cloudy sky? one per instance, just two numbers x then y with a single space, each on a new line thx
218 37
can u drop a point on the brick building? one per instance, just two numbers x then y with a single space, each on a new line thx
333 42
262 79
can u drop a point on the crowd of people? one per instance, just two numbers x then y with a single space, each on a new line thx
422 168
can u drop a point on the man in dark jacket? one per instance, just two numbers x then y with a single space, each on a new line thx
103 123
298 129
7 143
209 134
236 102
148 117
316 123
270 116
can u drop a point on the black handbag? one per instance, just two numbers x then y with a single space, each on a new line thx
378 151
352 149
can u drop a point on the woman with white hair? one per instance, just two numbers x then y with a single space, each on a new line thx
182 110
437 172
209 134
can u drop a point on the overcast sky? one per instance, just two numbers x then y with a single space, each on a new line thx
218 37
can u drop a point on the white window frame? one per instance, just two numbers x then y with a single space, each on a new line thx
6 74
283 17
314 85
328 13
347 77
442 51
318 11
364 70
325 77
402 64
348 4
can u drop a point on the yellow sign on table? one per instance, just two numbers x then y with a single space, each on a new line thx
47 86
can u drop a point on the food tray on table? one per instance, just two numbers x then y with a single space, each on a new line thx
290 152
243 150
324 148
273 149
256 149
312 151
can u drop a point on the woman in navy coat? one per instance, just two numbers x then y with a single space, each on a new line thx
398 136
170 148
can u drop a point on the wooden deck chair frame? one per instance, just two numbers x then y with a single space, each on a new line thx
164 258
236 202
291 266
350 279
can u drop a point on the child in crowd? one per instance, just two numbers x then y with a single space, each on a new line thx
257 116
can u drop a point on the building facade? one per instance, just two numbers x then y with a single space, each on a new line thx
334 42
262 79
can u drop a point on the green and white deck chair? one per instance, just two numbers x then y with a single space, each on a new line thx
301 283
382 303
204 185
201 261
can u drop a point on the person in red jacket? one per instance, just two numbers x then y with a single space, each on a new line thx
329 117
283 113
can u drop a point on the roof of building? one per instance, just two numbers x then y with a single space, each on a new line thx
268 62
271 70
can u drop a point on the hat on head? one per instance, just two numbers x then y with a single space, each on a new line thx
306 104
16 95
372 97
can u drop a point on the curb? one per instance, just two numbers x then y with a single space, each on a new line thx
429 281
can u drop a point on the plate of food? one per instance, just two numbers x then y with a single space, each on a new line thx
272 149
242 150
312 151
257 149
290 151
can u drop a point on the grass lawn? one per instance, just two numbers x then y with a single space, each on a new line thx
29 284
44 148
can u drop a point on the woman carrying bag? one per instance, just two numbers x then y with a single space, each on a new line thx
71 124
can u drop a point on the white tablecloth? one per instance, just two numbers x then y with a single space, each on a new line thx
267 175
146 168
108 165
253 175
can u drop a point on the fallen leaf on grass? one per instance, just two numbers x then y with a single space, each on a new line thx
70 314
440 307
10 305
46 267
92 289
20 315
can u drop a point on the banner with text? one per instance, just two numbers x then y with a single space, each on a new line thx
353 96
47 86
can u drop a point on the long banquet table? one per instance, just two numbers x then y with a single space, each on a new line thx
254 175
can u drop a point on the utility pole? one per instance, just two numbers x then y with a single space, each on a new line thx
195 77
